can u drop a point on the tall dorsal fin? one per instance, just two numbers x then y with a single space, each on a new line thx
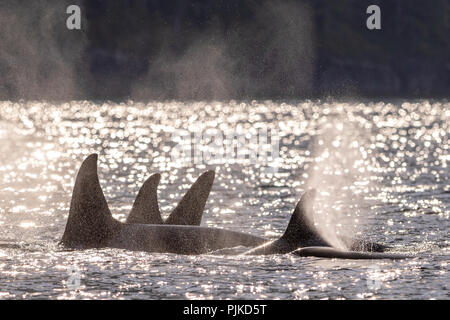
189 210
90 223
145 208
300 229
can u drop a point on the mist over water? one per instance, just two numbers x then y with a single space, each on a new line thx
145 50
39 57
381 170
221 63
341 171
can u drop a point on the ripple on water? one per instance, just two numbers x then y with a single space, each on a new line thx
381 170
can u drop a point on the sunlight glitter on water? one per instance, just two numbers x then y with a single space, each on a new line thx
381 170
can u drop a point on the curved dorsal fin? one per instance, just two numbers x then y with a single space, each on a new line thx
189 210
145 208
90 223
300 229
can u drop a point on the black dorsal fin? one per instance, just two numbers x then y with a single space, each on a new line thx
145 208
189 210
90 223
301 230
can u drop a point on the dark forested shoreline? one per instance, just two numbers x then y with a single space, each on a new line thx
156 49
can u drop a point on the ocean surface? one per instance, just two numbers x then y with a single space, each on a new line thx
381 169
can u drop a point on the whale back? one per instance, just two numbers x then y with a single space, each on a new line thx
325 252
145 208
189 210
90 223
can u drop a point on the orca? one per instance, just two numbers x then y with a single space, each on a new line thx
91 225
300 231
327 252
303 239
189 210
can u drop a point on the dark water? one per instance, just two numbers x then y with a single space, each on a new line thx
382 171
